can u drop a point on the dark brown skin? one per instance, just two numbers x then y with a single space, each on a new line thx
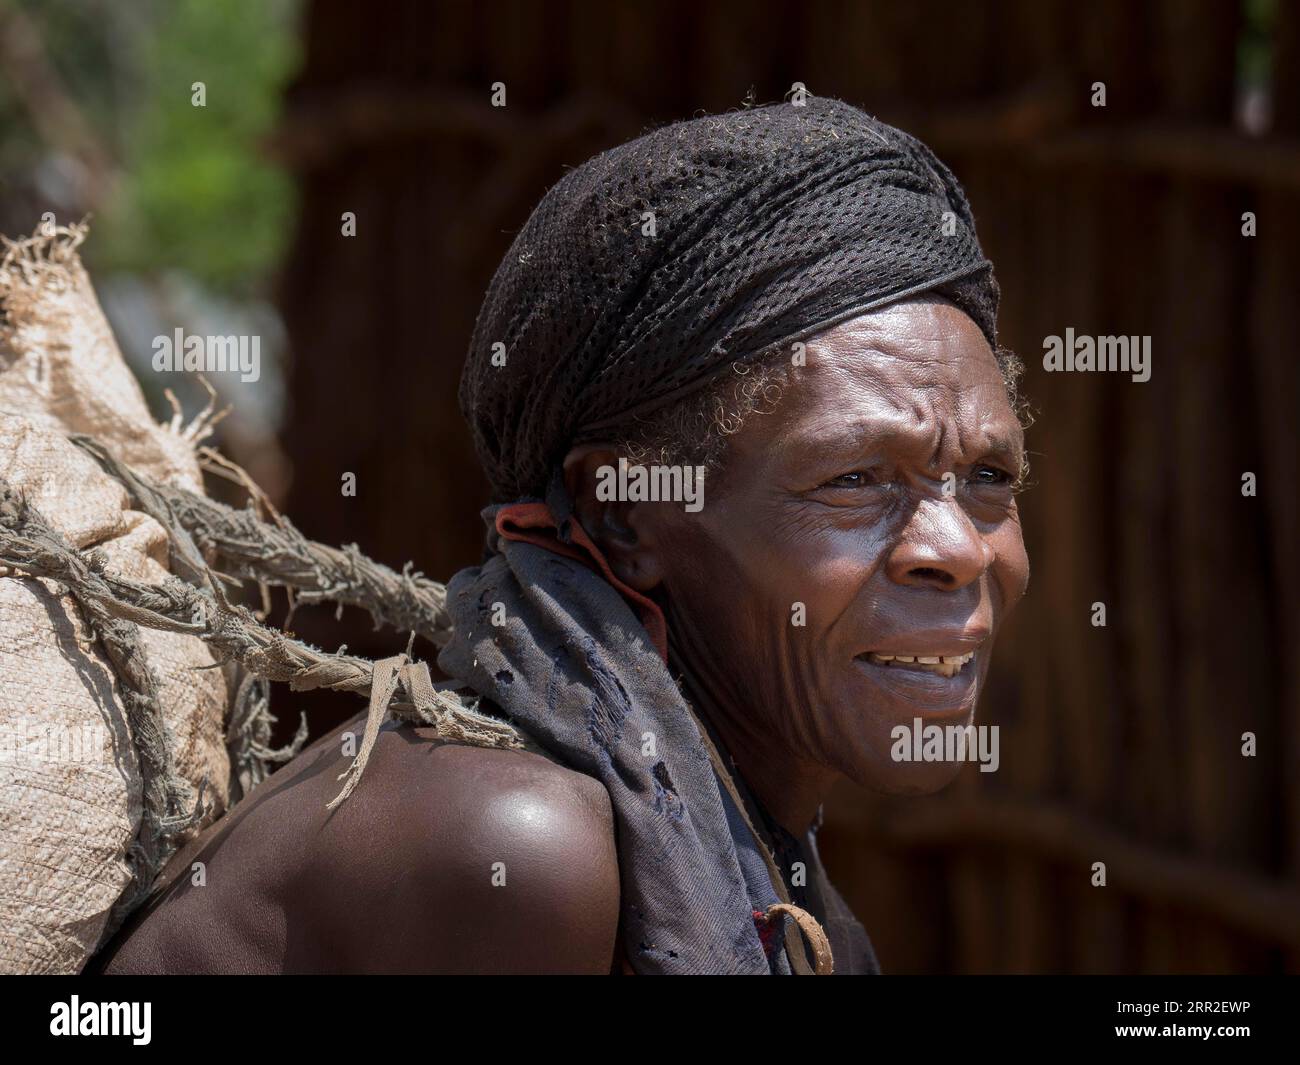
833 500
398 879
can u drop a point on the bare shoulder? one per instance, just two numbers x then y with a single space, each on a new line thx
445 858
511 856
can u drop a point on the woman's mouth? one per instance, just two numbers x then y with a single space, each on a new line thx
924 679
944 665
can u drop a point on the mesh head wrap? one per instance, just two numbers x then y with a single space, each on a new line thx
769 225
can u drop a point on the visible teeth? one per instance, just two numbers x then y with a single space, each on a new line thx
944 665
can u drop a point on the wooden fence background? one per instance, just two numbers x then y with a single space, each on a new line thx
1119 744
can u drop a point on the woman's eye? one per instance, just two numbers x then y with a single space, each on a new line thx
856 479
990 475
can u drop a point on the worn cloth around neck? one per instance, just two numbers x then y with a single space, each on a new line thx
574 665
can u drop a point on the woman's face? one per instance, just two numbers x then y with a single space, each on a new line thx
871 515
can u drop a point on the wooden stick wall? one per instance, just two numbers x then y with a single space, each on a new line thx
1120 744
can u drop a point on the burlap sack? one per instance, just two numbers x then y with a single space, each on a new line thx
70 793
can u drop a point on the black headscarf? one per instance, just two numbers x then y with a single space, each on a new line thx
769 225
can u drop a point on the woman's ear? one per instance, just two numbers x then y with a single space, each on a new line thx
624 532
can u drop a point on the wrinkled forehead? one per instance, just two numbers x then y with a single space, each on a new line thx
918 346
919 369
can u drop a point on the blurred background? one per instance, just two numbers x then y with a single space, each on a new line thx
1120 744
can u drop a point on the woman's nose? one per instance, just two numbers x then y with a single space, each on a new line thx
940 547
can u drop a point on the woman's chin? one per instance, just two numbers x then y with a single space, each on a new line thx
908 778
898 761
901 749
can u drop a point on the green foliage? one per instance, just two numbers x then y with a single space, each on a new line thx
195 192
1254 46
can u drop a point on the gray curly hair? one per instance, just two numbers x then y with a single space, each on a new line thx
694 430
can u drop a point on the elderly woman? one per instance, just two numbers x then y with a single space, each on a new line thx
753 454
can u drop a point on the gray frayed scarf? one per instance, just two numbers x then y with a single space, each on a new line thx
574 666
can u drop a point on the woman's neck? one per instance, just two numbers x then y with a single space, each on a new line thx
791 789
